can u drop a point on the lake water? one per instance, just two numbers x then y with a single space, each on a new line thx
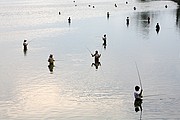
75 90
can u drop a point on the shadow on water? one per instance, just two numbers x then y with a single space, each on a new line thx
143 22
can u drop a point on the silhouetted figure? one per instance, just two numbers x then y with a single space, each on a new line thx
127 21
126 2
148 20
69 20
93 6
59 13
104 38
96 65
115 5
134 8
166 6
25 44
96 57
51 63
108 15
138 99
157 27
51 60
89 5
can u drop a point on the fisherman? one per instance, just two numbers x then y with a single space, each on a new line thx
127 21
148 20
96 57
25 44
108 15
51 60
138 98
104 39
69 20
157 27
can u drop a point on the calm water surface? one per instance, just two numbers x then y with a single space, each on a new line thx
75 90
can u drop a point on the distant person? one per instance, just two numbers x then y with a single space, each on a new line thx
134 8
127 21
115 5
59 13
138 93
157 27
166 6
108 15
148 20
96 57
126 2
104 38
138 98
69 20
25 44
93 6
51 60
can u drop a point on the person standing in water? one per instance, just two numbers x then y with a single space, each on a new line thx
127 21
96 57
96 60
69 20
51 60
104 38
138 98
25 44
157 27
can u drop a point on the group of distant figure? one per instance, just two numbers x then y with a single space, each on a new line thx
138 91
148 20
127 19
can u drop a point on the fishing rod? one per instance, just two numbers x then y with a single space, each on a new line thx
89 50
138 75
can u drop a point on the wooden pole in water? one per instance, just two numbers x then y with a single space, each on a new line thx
138 75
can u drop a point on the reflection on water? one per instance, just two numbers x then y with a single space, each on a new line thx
75 90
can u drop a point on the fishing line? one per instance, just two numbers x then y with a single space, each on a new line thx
138 74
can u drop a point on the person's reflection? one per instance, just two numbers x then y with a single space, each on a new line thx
51 67
97 64
138 105
104 45
25 52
